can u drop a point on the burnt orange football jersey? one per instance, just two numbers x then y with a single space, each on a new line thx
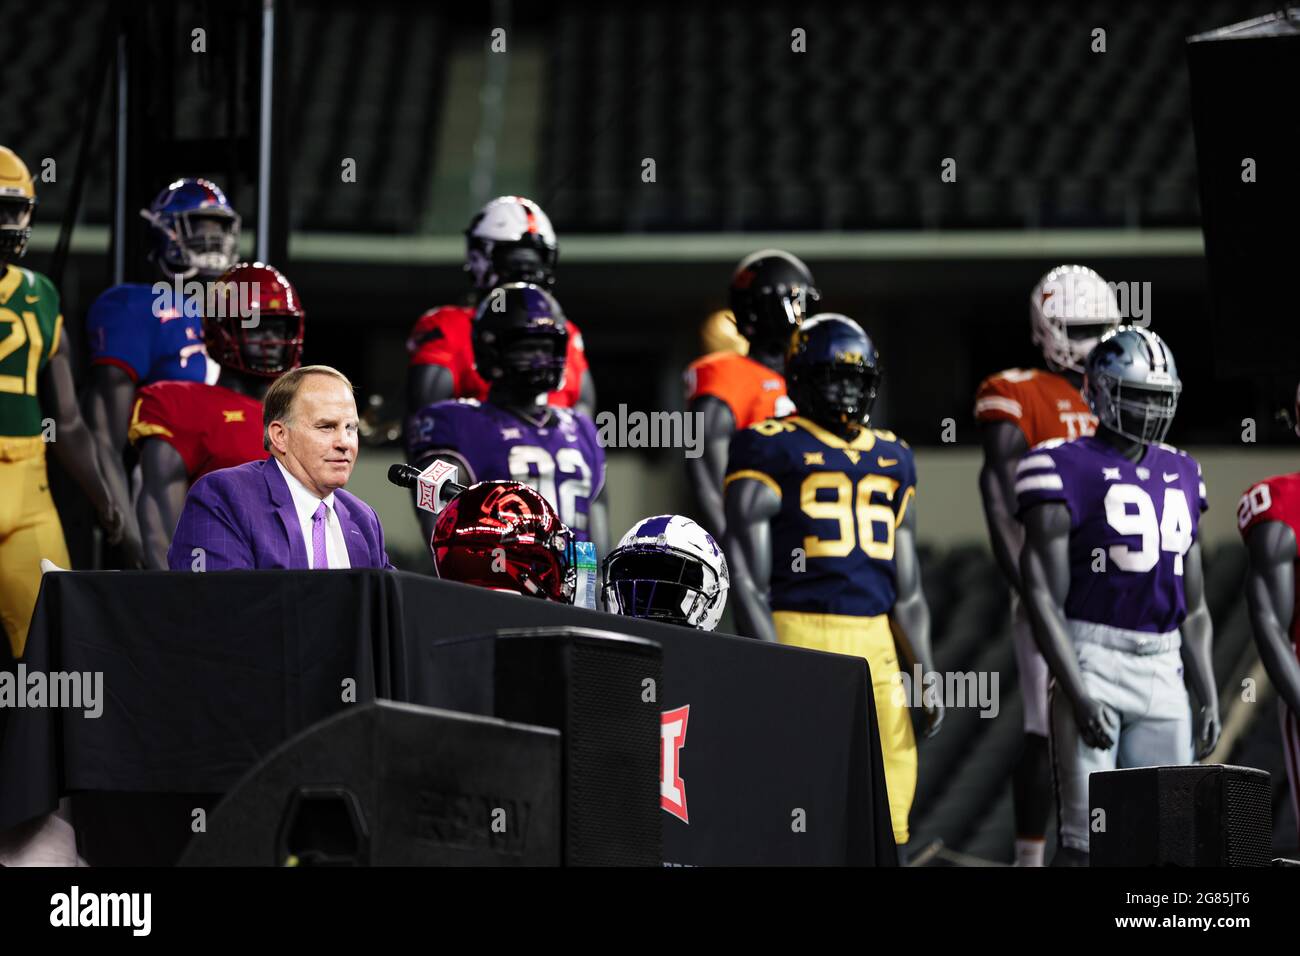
751 390
1042 404
210 426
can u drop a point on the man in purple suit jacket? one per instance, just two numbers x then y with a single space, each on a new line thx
289 510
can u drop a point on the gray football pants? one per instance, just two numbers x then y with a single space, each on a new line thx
1138 679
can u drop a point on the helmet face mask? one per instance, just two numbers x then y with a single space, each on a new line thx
1132 384
15 226
196 231
667 568
838 395
273 346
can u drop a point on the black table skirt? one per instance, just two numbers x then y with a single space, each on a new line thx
203 674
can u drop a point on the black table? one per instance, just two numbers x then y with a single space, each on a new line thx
206 673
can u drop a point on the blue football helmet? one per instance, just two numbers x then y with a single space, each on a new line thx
667 568
1131 383
832 371
195 229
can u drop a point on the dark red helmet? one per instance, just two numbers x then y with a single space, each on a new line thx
506 536
254 322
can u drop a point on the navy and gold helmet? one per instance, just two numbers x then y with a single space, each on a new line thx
1131 383
832 371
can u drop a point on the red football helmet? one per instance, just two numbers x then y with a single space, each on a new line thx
504 535
270 346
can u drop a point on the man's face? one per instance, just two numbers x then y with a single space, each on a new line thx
321 441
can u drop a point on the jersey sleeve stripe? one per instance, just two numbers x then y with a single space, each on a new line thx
139 430
902 509
1202 490
997 403
1040 483
1030 462
755 475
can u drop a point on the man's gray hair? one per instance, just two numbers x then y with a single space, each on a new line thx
278 404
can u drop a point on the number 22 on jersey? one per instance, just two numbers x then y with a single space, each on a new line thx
534 466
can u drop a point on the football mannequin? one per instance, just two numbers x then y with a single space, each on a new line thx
1112 579
821 534
1269 517
520 342
36 389
139 334
1069 310
731 389
509 240
504 536
183 430
667 568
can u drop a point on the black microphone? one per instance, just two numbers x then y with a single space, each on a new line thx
436 485
404 475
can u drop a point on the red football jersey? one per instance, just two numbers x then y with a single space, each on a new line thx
210 426
1275 499
752 391
1042 404
442 337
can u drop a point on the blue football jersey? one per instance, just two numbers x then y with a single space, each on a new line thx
144 334
562 458
841 502
1130 525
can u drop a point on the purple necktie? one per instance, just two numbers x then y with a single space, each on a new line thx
319 559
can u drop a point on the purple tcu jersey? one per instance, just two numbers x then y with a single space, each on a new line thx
1130 525
562 458
131 327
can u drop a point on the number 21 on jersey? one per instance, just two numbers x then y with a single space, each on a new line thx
1173 532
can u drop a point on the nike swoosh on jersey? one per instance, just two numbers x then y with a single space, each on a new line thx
32 299
886 462
1169 477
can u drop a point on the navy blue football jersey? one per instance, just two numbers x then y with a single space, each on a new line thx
841 502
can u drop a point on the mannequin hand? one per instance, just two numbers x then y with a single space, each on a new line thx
1094 724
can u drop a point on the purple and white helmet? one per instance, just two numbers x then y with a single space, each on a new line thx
667 568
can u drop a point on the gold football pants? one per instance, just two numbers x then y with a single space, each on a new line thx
29 530
868 637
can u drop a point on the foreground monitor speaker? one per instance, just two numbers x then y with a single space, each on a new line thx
1198 815
601 690
394 784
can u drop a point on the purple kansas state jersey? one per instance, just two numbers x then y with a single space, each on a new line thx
562 459
1130 525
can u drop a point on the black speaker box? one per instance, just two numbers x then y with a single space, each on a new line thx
394 784
1197 815
601 690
